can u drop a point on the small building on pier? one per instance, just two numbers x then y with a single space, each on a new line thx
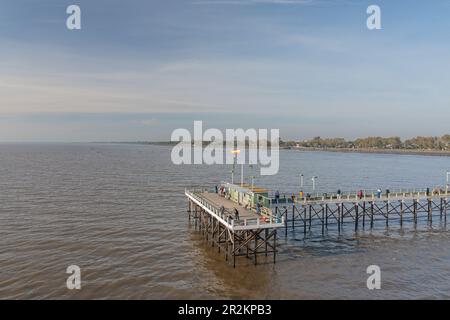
246 194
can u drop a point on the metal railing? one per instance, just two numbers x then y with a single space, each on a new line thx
285 198
228 216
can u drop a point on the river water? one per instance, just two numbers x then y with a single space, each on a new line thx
118 211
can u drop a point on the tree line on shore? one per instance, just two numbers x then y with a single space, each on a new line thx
416 143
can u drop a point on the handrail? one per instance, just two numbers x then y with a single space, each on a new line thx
216 209
372 195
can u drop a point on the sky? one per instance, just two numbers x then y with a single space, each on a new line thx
137 70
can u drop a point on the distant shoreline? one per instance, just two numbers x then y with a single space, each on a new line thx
378 151
418 152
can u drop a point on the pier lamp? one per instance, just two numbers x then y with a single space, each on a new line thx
446 187
314 182
301 181
236 152
252 176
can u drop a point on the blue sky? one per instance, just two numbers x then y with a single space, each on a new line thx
139 69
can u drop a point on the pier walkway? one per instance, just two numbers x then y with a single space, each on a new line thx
254 234
360 208
251 235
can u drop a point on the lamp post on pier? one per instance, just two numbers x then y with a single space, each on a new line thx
301 181
314 182
236 152
447 184
252 176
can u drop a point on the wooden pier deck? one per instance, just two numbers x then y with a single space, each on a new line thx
229 205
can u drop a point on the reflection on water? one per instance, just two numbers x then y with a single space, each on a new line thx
119 212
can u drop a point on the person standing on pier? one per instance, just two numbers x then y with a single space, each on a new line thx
236 214
277 197
379 193
258 208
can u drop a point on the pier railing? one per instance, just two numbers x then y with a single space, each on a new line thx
367 195
227 216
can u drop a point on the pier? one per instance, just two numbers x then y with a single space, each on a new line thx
262 214
362 210
251 234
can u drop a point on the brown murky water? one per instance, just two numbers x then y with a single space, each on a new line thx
118 212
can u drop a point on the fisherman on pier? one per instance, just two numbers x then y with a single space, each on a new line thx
236 214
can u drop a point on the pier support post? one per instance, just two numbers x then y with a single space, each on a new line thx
246 240
189 209
256 245
371 214
274 245
401 212
286 222
234 252
266 235
387 213
227 240
445 211
356 216
304 220
207 225
430 214
339 217
310 218
219 235
294 207
415 211
364 214
195 217
323 219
